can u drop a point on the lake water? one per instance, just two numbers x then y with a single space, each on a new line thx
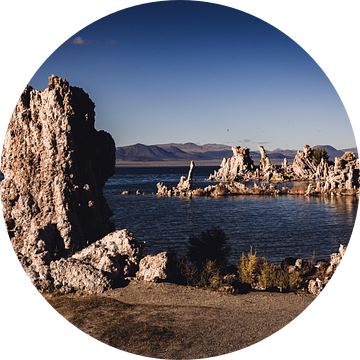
277 227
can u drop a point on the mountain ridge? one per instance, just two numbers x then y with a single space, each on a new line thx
191 151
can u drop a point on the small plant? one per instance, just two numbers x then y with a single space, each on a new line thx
321 154
188 275
209 276
267 277
273 276
248 267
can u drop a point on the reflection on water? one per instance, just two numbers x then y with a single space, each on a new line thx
277 227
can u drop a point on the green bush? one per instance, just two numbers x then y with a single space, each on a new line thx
321 154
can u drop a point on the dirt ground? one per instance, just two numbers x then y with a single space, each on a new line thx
202 323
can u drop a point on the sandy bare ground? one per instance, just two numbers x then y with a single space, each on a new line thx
202 323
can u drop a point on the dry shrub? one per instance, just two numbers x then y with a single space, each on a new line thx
209 276
248 267
272 276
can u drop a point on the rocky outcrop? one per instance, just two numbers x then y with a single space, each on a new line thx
268 171
99 266
315 286
304 165
96 268
335 259
153 267
71 274
183 188
117 255
185 184
341 178
55 164
239 167
265 163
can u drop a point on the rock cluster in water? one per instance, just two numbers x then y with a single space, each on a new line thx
340 178
342 175
55 164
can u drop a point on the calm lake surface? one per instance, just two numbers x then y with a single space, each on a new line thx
277 227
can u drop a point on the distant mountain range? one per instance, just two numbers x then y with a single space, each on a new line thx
208 152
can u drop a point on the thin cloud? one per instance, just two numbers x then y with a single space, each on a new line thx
263 142
79 41
113 42
244 141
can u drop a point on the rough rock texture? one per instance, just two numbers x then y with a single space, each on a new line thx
71 274
116 255
315 286
185 184
98 266
305 164
183 188
55 164
335 259
341 178
269 172
239 167
153 267
265 163
162 190
39 275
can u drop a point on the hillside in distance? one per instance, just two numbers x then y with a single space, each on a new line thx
212 153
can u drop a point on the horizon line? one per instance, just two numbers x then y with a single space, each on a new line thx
264 145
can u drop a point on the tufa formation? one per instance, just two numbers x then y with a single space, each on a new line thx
55 165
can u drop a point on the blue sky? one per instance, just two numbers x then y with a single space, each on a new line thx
198 72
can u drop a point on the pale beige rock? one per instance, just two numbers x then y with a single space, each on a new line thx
285 164
55 164
50 148
117 254
341 178
71 274
153 267
239 167
265 163
304 165
335 259
185 184
315 286
322 171
183 188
